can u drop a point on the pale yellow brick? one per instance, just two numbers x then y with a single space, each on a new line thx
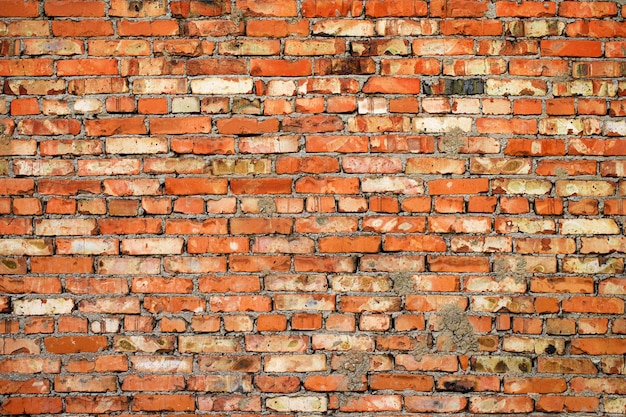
160 86
537 346
565 126
405 27
185 105
43 307
442 124
541 28
515 87
502 364
136 145
88 106
311 404
147 344
521 186
222 86
614 128
593 265
343 27
295 363
28 247
65 227
281 88
615 406
568 188
208 344
400 185
342 342
589 227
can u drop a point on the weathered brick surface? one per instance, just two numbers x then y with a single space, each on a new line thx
312 207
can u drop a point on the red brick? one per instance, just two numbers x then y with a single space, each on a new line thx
62 265
312 124
261 186
122 8
400 8
195 186
69 8
372 403
268 8
562 403
324 185
90 66
500 405
109 127
19 8
86 86
529 147
280 68
471 27
587 10
365 244
32 405
75 344
331 8
458 186
525 9
148 28
48 127
571 48
97 405
25 106
435 404
458 8
173 402
276 384
246 126
152 105
257 263
390 85
399 382
212 27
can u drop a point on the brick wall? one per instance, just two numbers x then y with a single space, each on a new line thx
312 207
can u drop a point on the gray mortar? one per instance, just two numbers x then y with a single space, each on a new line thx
403 283
454 141
267 207
518 274
354 368
455 325
422 347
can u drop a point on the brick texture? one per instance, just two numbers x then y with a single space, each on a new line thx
312 207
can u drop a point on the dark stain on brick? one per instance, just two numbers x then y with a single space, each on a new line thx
581 69
501 367
523 367
135 6
454 86
352 66
9 263
459 386
243 364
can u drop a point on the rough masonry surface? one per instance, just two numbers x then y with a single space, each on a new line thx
312 207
